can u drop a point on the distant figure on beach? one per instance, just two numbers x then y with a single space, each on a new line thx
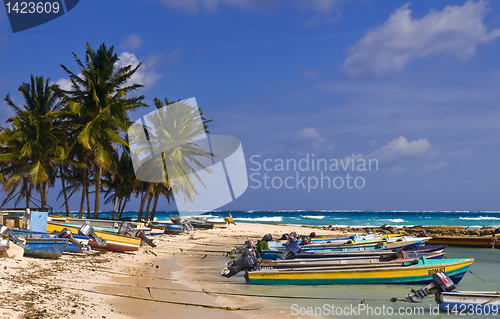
493 242
229 219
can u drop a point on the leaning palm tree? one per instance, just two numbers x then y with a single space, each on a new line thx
35 145
97 107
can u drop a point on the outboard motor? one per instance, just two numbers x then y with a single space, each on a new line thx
247 245
127 229
186 225
440 283
247 261
12 237
292 249
423 233
87 230
305 240
66 233
292 235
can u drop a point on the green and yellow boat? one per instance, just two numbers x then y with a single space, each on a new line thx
418 271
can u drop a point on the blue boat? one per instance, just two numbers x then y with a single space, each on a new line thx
469 302
172 229
70 248
413 251
45 247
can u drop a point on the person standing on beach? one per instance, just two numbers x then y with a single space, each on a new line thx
229 220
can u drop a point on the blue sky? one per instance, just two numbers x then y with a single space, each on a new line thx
413 85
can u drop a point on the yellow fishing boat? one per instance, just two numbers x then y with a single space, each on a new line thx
113 242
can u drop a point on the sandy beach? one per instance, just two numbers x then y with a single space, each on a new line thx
177 278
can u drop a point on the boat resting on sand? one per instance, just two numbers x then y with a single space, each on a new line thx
412 272
70 248
466 241
45 247
113 242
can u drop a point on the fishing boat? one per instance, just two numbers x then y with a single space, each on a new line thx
463 303
465 241
355 236
469 302
168 228
413 251
70 248
45 247
412 272
216 223
108 225
399 244
392 259
113 242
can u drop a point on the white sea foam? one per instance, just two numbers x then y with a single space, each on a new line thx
312 216
397 220
480 218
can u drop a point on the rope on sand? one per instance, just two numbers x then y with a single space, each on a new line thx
130 275
161 301
220 293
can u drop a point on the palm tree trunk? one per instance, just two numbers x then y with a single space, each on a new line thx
146 217
143 201
42 197
120 201
45 193
98 173
84 191
28 196
114 207
88 202
64 191
153 211
123 207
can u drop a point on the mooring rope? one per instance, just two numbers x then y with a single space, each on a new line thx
221 293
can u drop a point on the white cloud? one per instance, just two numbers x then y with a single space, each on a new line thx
454 31
132 42
145 75
194 6
64 83
401 147
310 138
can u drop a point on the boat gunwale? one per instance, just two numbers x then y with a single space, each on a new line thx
365 269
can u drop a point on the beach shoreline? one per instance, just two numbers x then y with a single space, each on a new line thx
180 277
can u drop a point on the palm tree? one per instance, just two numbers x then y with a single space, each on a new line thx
35 145
120 182
98 106
173 130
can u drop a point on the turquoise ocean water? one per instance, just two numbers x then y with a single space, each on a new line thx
472 219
